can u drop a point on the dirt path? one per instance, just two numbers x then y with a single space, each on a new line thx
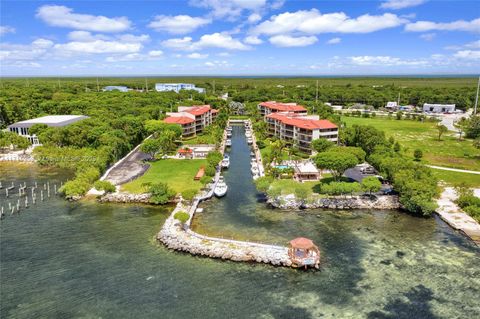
453 169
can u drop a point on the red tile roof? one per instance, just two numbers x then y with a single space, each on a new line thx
308 124
179 120
198 109
283 107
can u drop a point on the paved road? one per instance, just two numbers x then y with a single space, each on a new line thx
130 168
453 169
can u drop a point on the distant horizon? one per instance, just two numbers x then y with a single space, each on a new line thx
425 75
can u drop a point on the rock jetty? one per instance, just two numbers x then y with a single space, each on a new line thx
120 197
349 202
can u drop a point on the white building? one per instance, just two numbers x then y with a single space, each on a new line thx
177 87
391 105
22 127
116 88
439 108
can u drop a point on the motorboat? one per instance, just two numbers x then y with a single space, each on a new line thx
252 154
249 140
248 134
255 169
221 188
229 134
226 161
228 142
229 128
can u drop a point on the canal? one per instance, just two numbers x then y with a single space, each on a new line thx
87 260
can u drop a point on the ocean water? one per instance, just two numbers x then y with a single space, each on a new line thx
89 260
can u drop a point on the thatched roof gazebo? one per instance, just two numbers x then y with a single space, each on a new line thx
303 252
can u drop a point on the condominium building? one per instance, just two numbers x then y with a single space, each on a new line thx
193 119
269 107
300 130
177 87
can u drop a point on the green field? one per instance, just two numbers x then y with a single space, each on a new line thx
178 174
449 152
455 178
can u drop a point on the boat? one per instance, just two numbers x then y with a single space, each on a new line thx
252 154
229 128
249 140
225 162
228 142
248 134
254 170
229 134
221 188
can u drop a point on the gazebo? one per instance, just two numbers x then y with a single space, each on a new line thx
303 252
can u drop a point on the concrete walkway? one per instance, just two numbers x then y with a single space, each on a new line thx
455 217
453 169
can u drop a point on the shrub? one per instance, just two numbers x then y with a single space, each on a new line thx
210 170
340 188
205 180
274 192
182 216
213 158
418 154
302 192
160 192
468 200
104 186
261 144
371 184
75 187
263 183
189 194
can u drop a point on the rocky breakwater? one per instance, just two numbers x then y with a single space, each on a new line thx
120 197
181 238
349 202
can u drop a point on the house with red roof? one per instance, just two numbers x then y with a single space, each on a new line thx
300 130
193 119
269 107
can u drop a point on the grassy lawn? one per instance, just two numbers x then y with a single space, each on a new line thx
455 178
288 186
449 152
178 174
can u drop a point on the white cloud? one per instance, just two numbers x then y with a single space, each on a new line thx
61 16
99 46
314 22
401 4
289 41
197 55
252 39
24 52
155 53
131 38
180 24
428 36
254 17
334 41
468 54
470 45
368 60
230 9
217 64
459 25
4 29
214 40
224 54
151 55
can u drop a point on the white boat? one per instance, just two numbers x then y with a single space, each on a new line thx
229 134
226 163
220 189
248 134
249 140
229 128
252 154
254 170
228 142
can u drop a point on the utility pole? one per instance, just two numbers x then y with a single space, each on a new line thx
146 84
476 98
316 94
213 86
398 101
58 83
98 86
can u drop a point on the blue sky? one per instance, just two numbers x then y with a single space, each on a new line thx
239 37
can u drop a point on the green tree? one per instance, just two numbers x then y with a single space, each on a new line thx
160 192
441 129
182 217
104 186
396 147
322 144
418 154
461 126
150 146
263 183
337 162
371 184
472 129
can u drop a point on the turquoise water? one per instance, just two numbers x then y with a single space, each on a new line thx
88 260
